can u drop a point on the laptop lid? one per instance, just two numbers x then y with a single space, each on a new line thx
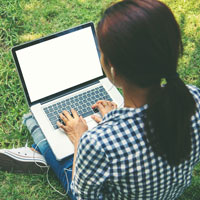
59 63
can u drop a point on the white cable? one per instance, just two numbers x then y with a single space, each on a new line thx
35 152
47 173
67 179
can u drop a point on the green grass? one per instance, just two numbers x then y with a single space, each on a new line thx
25 20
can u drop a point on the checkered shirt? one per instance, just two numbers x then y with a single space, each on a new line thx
114 161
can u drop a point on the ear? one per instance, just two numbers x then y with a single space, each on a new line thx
115 78
113 73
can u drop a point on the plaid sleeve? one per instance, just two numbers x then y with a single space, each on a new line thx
92 169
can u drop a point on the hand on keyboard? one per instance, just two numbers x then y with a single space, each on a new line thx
81 103
104 107
74 125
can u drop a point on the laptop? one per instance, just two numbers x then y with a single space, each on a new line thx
59 72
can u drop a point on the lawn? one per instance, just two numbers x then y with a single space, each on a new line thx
25 20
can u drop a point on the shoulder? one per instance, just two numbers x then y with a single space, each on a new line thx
96 136
195 91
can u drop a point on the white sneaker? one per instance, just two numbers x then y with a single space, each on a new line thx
21 160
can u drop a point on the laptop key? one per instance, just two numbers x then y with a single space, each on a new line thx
49 114
46 111
54 122
68 108
89 109
59 111
55 126
51 109
84 110
52 118
87 114
61 121
63 104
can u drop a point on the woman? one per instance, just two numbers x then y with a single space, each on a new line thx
147 149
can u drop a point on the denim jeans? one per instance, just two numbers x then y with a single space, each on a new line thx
63 168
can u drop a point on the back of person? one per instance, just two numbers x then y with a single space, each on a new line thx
146 150
131 169
136 172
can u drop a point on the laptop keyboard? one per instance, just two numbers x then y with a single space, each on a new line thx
81 103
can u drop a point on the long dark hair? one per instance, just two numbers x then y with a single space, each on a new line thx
141 40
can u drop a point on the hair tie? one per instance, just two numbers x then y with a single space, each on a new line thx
172 77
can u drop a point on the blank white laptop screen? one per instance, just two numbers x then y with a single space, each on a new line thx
59 63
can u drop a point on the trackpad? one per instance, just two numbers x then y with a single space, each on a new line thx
91 124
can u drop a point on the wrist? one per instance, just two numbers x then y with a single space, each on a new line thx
76 145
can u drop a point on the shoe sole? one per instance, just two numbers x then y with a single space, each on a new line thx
11 165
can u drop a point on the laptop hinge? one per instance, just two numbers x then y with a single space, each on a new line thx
70 92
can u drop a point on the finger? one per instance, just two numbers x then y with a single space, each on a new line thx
114 104
61 126
109 103
103 102
74 113
101 109
63 118
96 118
94 105
69 117
83 120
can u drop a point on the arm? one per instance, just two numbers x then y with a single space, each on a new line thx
74 160
92 168
75 127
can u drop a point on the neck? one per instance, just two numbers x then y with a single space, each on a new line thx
134 97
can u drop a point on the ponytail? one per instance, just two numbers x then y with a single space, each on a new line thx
168 121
